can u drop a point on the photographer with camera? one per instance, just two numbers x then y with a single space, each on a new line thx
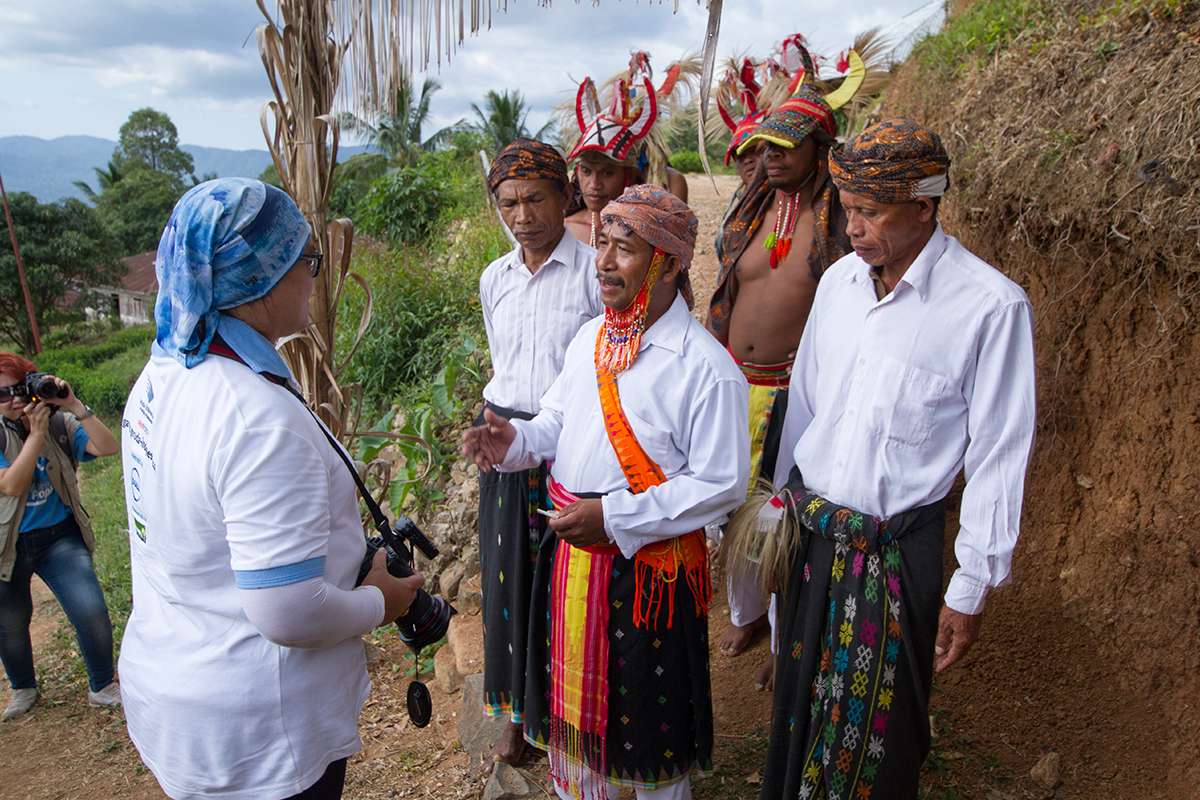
44 529
242 668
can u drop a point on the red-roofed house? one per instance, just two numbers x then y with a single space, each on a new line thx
133 299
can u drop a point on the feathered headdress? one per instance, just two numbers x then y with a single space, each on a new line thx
750 91
620 120
761 88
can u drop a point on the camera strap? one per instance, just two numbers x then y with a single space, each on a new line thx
219 348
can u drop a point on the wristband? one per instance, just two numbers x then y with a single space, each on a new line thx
87 412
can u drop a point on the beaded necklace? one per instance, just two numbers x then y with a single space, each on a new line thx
779 241
621 334
592 219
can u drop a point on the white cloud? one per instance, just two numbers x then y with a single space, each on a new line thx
198 61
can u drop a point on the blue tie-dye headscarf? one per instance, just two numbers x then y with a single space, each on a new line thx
228 242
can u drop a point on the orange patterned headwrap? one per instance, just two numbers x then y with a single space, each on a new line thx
896 161
660 218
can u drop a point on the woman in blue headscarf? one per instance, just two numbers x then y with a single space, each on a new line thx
242 670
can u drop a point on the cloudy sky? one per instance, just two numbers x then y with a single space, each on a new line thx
79 67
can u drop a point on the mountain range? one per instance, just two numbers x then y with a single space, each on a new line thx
47 168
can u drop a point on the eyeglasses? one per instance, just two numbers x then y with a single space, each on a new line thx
314 262
6 394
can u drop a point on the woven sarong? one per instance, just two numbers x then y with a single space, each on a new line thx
855 661
510 534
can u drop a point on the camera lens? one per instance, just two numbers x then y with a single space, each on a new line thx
427 619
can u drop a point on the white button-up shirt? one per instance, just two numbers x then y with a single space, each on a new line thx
891 398
531 318
687 403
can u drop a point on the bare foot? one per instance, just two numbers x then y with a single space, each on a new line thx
737 638
511 745
765 680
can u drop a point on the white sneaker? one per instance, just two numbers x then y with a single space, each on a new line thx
22 701
109 696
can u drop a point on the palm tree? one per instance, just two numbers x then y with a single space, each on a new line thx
505 119
396 132
104 178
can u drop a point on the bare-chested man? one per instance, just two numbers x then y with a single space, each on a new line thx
602 180
787 230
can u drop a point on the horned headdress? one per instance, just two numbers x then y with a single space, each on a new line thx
620 120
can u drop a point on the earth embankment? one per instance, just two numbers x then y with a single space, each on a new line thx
1074 142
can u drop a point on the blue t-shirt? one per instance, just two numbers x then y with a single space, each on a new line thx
44 508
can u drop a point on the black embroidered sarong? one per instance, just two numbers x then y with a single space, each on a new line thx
510 533
660 724
855 662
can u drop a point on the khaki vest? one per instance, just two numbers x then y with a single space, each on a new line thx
62 476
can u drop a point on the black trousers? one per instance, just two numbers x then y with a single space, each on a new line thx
328 786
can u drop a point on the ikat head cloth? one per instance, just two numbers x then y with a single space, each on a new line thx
527 160
657 216
803 114
663 220
228 242
895 161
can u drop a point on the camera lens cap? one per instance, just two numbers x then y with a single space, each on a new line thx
420 704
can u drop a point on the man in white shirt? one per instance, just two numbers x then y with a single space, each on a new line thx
534 299
647 426
917 362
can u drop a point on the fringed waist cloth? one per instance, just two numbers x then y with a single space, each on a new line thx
856 652
579 641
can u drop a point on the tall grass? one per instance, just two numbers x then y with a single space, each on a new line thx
975 34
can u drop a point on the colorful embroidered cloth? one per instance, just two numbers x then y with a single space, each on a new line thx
803 114
228 242
579 660
580 612
893 162
528 160
856 650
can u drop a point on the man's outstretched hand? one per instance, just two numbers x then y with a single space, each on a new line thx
956 633
487 444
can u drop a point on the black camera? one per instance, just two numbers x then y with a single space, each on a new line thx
428 618
38 386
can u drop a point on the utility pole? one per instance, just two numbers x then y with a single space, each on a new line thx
12 232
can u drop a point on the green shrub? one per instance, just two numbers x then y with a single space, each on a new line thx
687 161
424 303
102 374
91 355
403 206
